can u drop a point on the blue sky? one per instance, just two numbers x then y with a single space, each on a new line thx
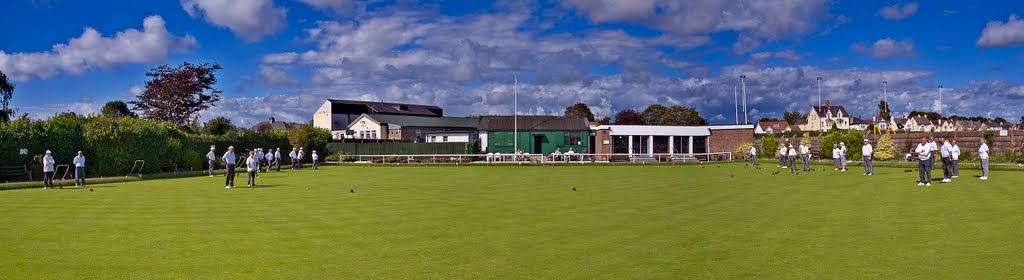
282 58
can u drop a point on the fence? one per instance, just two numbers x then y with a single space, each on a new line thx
497 158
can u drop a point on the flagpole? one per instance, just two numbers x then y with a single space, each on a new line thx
743 84
515 115
736 100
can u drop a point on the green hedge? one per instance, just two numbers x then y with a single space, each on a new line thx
111 145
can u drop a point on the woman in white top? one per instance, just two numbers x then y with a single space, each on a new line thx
983 155
835 156
250 167
792 158
48 170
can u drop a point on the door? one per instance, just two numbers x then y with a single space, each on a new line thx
538 144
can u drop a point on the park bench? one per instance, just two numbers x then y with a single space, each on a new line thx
16 171
169 166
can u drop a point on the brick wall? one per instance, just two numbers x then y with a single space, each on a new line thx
602 137
728 140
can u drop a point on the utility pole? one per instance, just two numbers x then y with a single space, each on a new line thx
736 103
743 83
819 91
515 114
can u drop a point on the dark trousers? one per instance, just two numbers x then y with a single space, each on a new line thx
277 163
924 171
295 163
229 177
314 164
252 178
869 167
947 168
48 179
804 159
792 164
956 168
80 176
213 165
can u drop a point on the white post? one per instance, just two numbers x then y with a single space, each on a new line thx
736 99
743 83
650 145
690 143
515 114
671 145
940 108
819 91
630 137
885 95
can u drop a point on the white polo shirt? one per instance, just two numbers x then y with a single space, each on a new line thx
866 150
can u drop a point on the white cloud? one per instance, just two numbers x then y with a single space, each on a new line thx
897 11
787 55
341 7
92 49
1000 35
887 48
281 58
249 19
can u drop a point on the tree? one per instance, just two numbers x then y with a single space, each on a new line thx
177 94
117 109
579 110
1000 120
629 117
218 126
806 140
6 93
884 110
929 115
309 137
768 120
769 147
792 117
1022 120
604 120
681 115
653 114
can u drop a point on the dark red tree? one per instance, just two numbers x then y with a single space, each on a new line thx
629 116
178 94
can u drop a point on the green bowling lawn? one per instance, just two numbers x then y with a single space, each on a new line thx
623 222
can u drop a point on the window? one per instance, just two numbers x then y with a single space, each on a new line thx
681 145
445 139
700 144
640 145
572 138
620 144
433 138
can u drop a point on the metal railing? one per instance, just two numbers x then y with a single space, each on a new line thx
577 158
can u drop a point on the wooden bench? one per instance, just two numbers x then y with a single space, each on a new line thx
167 165
16 171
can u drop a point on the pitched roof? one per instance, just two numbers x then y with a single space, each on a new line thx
920 120
417 121
822 110
392 108
794 128
773 125
802 121
277 125
533 123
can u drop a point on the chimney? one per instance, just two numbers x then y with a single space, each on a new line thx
271 120
828 103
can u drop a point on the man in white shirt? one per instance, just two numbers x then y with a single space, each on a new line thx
947 160
270 160
935 147
292 156
805 156
753 156
842 155
302 155
277 159
866 151
955 155
211 159
835 156
229 164
79 162
251 166
48 170
782 155
924 155
792 158
316 159
983 155
568 155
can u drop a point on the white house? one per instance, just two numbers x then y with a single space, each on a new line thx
919 124
821 118
771 127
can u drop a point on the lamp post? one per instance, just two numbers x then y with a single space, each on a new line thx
885 96
940 108
743 84
819 91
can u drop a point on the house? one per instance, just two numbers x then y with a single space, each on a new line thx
900 123
919 124
946 125
413 128
966 125
657 139
995 126
801 123
859 124
273 124
536 134
337 115
771 127
821 118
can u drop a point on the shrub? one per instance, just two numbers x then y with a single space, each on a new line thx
769 148
742 151
885 149
806 140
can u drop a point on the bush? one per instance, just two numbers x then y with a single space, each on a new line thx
886 149
742 152
769 148
806 140
853 139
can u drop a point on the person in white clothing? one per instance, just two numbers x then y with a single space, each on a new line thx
79 162
302 155
791 157
955 154
842 154
924 155
211 159
753 156
269 163
48 163
835 156
805 157
277 159
293 156
229 167
947 160
251 165
983 155
866 151
316 159
782 155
